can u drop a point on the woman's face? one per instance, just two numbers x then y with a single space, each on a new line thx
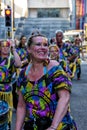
5 49
77 41
39 48
54 53
59 38
23 40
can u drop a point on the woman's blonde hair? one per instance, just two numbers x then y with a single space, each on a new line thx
53 45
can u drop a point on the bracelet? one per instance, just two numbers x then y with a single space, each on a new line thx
53 127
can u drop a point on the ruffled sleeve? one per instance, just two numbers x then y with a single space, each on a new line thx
60 80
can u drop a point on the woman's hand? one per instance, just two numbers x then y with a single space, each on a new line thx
12 46
51 128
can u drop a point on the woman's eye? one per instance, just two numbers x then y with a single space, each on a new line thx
45 44
38 44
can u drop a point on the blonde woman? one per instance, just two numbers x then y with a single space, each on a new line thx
44 91
54 52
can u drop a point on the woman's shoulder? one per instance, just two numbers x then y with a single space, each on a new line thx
52 63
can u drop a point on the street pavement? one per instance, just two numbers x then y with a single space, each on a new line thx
78 100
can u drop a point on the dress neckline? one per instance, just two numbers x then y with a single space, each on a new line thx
28 69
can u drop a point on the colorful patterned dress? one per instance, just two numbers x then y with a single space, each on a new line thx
66 51
41 98
22 52
7 69
77 50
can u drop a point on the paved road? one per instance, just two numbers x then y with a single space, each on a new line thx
78 100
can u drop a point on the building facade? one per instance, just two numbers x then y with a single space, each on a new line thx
48 8
73 10
40 8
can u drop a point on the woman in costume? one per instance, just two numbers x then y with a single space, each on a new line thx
44 91
54 52
22 51
9 59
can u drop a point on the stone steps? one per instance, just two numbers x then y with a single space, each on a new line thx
47 26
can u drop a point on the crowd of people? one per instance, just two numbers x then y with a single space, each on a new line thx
36 79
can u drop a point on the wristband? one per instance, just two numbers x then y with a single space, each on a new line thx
53 127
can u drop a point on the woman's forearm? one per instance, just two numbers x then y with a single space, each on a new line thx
24 62
17 58
61 110
20 117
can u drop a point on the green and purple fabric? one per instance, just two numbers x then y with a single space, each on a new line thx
41 96
6 71
22 53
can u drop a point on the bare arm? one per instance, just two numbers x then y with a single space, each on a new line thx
61 109
21 110
16 58
15 54
24 62
72 57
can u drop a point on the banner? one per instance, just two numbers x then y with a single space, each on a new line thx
80 8
80 13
